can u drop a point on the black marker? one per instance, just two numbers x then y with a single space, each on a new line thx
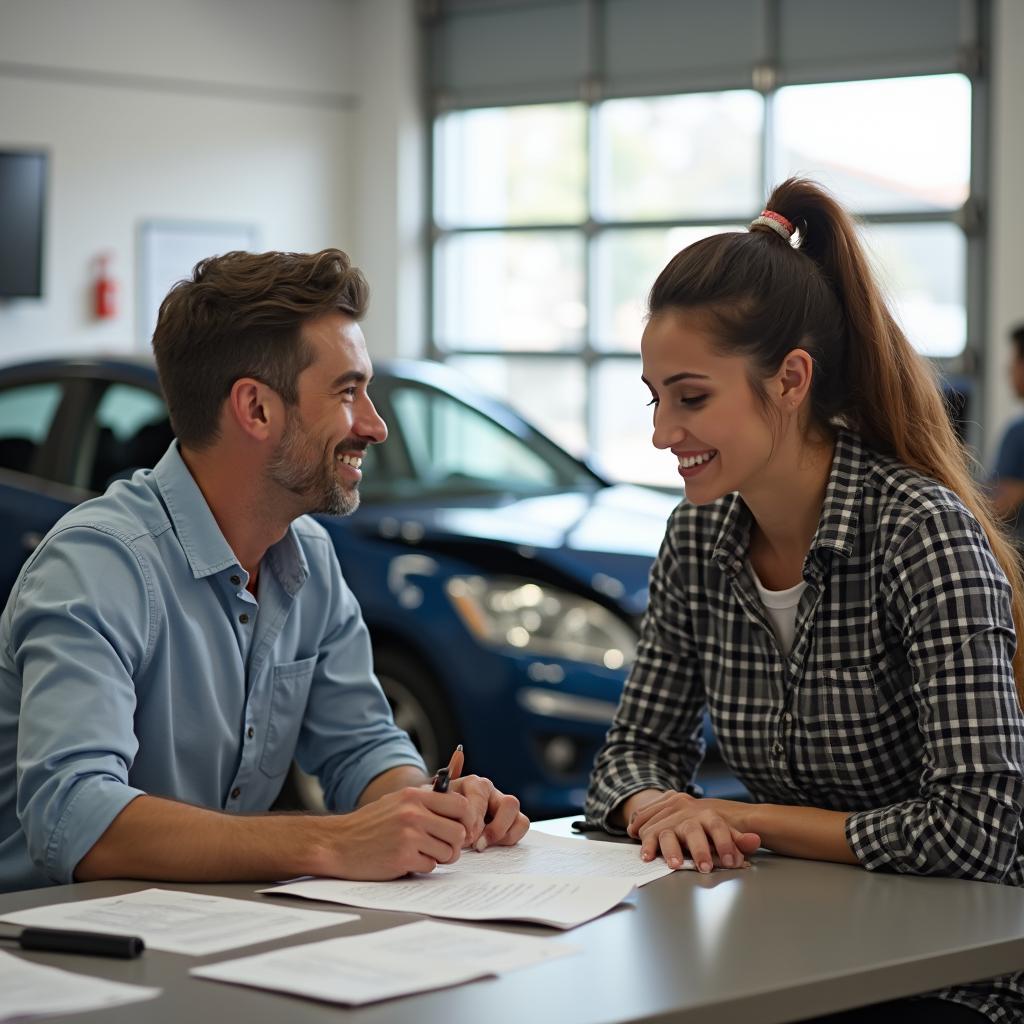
55 940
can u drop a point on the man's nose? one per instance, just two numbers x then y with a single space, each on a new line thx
370 425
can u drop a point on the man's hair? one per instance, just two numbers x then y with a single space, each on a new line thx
241 315
1017 337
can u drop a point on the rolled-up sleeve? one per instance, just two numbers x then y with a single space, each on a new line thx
348 734
655 740
950 601
75 645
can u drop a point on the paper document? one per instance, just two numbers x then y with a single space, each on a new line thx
32 990
180 922
540 854
394 962
557 901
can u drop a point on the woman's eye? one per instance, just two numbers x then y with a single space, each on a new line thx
694 402
654 400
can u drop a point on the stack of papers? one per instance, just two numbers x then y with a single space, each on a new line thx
32 990
180 922
544 880
394 962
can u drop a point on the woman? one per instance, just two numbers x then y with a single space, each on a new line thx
834 590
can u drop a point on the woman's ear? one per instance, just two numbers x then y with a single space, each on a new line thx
794 379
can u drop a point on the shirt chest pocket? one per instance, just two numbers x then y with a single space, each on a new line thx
289 693
854 729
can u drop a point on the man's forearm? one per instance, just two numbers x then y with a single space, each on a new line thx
162 839
390 781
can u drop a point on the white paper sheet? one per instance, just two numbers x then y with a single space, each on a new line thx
397 961
540 854
557 901
180 922
33 990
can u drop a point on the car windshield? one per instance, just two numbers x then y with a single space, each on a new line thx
441 446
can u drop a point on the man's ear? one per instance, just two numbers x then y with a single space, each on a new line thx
255 408
794 378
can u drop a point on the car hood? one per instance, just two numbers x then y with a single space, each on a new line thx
604 539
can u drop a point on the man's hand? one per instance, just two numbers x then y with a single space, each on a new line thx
493 818
679 825
412 829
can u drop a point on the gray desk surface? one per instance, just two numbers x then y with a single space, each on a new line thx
782 940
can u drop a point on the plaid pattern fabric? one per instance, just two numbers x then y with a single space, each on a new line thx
896 701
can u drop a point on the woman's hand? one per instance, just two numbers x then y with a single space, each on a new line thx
679 826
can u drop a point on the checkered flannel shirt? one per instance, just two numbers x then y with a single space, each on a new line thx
896 701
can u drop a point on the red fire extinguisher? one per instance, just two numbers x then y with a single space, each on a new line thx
104 289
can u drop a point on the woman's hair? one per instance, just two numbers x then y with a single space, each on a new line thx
764 296
241 315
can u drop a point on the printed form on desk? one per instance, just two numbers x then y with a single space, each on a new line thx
400 961
179 922
35 990
543 880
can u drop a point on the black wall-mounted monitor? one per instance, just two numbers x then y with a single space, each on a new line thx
22 201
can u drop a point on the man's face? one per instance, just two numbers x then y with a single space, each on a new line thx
320 452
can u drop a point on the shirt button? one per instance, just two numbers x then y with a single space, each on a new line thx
787 717
236 580
777 749
250 732
243 618
235 793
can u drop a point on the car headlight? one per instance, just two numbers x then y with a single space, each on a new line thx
542 619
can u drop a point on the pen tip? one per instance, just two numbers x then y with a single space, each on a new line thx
458 748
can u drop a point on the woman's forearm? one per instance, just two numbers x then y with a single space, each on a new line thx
808 832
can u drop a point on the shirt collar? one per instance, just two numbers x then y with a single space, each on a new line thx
840 513
205 547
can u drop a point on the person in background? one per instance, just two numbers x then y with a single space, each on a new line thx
833 590
1007 483
172 645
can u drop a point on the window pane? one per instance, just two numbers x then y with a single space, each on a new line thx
679 156
549 393
500 290
626 262
623 425
923 267
26 413
511 165
131 431
893 144
454 447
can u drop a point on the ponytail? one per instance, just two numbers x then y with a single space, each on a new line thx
765 295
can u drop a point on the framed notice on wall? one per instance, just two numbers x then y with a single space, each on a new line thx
168 250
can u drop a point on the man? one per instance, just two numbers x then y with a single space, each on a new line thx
1007 484
172 645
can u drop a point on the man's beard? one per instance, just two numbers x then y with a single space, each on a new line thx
298 467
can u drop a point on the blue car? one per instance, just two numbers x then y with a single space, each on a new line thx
502 580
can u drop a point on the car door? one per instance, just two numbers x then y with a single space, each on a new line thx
32 494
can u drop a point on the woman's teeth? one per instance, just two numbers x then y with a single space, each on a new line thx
696 460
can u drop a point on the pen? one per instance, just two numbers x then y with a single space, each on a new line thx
54 940
443 776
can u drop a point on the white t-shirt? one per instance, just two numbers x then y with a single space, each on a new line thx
780 606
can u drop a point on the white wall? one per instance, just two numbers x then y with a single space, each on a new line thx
1006 215
221 110
389 173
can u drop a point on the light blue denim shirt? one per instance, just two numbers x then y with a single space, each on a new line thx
133 660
